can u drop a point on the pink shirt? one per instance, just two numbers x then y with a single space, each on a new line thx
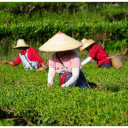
98 53
70 60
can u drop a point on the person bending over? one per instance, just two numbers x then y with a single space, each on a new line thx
96 52
64 61
28 56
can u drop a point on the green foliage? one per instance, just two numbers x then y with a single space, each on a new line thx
16 4
80 29
114 11
38 32
36 22
6 123
24 93
118 46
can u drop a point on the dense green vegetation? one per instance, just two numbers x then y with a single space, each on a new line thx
36 22
25 94
24 98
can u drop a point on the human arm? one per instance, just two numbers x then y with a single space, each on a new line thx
51 76
73 79
8 62
88 59
44 66
13 63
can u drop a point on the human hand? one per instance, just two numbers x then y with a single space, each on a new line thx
63 85
44 67
48 85
6 62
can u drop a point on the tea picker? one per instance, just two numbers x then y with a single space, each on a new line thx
65 61
96 52
28 56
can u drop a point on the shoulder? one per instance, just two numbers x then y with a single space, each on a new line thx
53 56
96 46
31 48
73 54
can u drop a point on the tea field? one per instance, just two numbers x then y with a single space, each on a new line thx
24 96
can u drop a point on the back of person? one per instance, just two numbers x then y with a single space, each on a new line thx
98 53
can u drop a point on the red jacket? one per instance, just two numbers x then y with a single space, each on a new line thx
32 56
98 53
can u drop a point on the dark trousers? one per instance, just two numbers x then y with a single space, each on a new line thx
81 82
106 65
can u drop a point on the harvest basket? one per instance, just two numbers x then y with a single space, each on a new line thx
116 61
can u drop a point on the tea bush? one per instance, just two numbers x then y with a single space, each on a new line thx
25 94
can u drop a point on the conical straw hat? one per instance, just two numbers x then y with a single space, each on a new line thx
86 43
60 42
20 43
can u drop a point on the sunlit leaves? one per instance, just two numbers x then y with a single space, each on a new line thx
102 106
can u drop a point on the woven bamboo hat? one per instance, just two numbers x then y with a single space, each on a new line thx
60 42
20 44
86 43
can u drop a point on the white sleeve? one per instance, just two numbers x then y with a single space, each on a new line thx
75 76
51 75
86 60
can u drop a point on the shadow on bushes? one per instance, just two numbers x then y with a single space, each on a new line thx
93 85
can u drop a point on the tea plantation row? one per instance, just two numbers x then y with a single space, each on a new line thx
24 93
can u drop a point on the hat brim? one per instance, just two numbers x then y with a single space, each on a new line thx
16 47
88 43
59 50
60 42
